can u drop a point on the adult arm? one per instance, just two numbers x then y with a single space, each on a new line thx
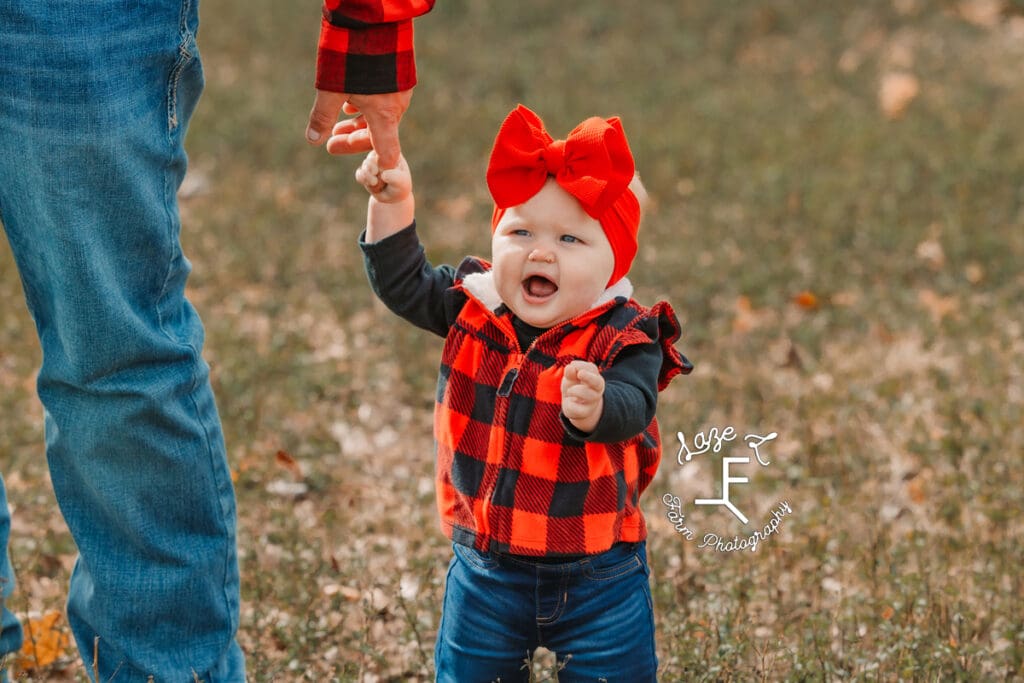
365 63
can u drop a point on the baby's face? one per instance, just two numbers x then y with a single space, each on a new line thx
551 260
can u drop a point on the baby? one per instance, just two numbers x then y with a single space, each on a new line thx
546 396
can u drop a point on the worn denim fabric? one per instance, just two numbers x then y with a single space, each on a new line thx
10 629
95 99
596 613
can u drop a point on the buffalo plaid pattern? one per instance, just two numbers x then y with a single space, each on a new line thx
366 46
509 476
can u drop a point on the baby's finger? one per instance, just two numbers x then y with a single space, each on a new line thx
396 176
372 163
592 378
581 393
568 378
575 403
363 176
367 175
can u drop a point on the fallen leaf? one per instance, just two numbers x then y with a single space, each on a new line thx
806 300
915 490
746 316
897 91
888 612
46 641
938 306
285 460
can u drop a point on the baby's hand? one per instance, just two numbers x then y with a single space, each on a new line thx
582 395
390 186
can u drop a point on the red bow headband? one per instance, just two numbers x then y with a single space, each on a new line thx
593 164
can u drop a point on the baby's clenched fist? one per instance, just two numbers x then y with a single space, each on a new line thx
388 186
582 395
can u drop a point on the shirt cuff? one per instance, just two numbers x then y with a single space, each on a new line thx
370 60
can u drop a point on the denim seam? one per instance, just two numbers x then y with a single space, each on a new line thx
472 556
563 595
613 572
185 56
439 645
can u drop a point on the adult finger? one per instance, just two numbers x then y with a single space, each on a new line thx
347 126
325 112
383 113
350 143
384 136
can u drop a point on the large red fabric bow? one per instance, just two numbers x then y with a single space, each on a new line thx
594 164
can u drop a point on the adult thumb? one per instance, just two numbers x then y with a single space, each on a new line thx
325 113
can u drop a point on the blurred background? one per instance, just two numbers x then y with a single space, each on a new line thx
837 210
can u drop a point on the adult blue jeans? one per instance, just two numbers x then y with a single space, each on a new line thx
595 614
95 99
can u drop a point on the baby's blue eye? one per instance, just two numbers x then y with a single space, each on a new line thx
570 238
521 232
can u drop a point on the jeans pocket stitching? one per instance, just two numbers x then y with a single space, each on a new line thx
615 571
472 557
186 53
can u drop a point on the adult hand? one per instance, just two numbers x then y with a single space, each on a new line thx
374 126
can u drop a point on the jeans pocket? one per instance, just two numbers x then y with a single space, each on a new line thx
474 557
614 569
188 53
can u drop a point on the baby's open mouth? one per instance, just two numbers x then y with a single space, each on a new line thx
539 287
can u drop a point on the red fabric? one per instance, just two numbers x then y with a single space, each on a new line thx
378 11
594 164
366 46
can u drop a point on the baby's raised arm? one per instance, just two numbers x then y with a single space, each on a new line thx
393 207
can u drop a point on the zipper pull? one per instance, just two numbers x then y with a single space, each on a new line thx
506 383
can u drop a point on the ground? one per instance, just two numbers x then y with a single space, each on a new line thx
837 212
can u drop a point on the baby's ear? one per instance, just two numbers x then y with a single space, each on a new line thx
639 191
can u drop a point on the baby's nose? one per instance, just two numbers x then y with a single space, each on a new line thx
542 255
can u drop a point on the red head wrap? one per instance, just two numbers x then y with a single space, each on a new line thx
593 164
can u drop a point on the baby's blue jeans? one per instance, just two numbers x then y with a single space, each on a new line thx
595 614
95 99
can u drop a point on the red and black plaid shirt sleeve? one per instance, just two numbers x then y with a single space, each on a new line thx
366 46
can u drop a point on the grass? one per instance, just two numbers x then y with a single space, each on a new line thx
896 391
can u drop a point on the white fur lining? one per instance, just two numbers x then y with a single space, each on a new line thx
481 286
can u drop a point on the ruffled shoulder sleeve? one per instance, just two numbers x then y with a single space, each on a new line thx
667 332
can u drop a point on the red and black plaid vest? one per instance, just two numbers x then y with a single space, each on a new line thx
509 477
